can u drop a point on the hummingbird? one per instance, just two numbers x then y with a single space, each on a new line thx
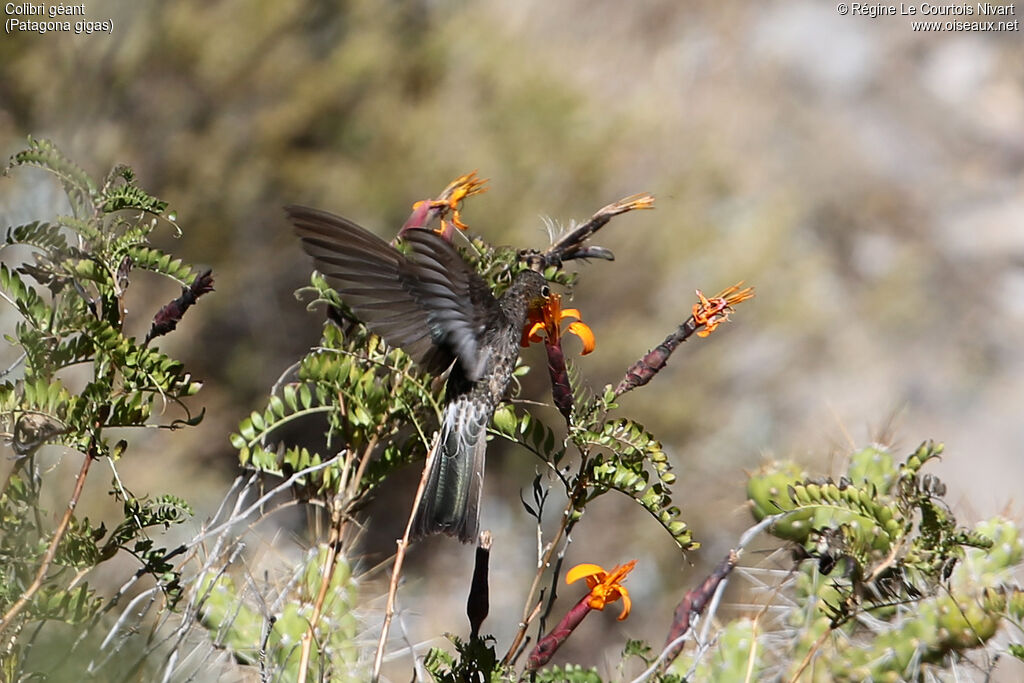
434 306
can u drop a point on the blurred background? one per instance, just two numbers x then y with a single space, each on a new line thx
866 178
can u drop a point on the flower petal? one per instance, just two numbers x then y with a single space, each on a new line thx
586 335
570 313
621 571
581 571
626 603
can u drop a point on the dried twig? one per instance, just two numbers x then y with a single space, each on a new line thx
219 527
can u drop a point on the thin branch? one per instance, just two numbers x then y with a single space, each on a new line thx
18 361
530 611
124 615
718 580
396 571
284 377
51 551
269 626
326 576
810 654
752 656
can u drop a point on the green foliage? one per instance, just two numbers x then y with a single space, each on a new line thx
70 304
42 236
378 408
625 457
618 454
269 639
895 582
887 525
474 659
69 605
527 431
157 261
570 673
80 188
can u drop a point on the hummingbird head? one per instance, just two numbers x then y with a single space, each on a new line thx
527 294
534 288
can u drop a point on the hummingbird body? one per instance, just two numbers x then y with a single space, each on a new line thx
433 305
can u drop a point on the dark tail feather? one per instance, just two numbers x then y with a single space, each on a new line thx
451 499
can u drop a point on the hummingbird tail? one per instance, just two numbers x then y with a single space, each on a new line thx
451 500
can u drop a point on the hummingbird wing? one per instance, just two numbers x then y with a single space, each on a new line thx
431 303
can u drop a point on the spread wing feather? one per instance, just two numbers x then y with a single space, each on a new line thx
430 303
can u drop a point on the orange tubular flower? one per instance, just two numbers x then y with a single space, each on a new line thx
605 587
451 199
548 318
714 311
462 187
448 202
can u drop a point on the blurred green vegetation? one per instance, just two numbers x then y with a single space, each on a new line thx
864 177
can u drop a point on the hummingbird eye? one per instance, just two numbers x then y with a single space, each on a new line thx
545 291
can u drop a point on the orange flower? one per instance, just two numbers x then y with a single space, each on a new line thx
605 586
714 311
451 199
549 316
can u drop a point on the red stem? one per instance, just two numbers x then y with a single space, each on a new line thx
549 644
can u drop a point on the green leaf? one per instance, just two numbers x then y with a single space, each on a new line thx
528 432
80 188
636 465
35 311
505 420
149 258
73 606
129 196
41 235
